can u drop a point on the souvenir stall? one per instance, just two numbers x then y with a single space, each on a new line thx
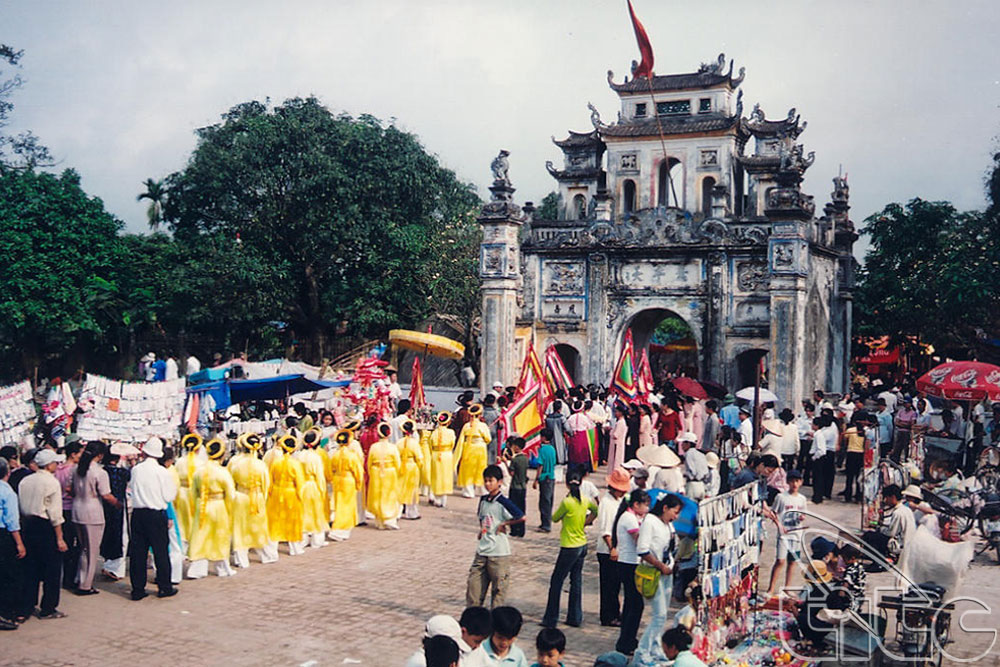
730 629
17 414
130 411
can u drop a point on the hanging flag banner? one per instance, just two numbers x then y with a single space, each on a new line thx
523 417
556 371
645 67
623 382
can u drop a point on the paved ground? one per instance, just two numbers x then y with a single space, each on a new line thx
360 602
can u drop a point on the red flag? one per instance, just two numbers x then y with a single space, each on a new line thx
645 67
524 417
417 398
644 378
556 371
531 372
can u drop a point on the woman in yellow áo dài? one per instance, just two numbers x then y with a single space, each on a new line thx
413 461
442 444
212 493
250 507
284 500
346 477
384 468
187 465
315 510
352 427
425 467
471 452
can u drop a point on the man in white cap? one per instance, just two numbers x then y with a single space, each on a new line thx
40 498
440 625
152 489
695 465
714 482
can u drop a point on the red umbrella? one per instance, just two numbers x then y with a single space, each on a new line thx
962 381
689 387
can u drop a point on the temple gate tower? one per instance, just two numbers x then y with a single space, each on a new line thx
672 213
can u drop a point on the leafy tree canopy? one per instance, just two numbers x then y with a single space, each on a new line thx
56 246
932 272
358 223
548 209
24 149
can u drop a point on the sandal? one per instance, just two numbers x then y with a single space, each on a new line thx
86 591
20 619
52 614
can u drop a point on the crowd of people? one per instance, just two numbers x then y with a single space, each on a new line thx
202 501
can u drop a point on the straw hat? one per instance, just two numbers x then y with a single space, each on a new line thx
686 436
407 426
253 442
311 437
384 430
619 480
192 441
352 425
712 459
817 572
913 491
342 437
444 418
153 448
660 456
287 442
124 449
475 410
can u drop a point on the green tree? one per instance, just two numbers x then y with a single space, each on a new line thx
549 208
22 150
56 244
932 272
354 217
156 194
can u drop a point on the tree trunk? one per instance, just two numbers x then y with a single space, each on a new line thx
316 337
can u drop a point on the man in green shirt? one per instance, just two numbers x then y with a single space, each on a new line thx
545 480
518 480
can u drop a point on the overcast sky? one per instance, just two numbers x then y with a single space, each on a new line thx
903 94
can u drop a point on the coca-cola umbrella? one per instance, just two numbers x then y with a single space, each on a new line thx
962 381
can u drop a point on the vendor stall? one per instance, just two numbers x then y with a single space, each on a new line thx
17 414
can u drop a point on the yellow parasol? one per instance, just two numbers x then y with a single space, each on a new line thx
427 343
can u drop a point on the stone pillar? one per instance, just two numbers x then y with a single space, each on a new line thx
500 270
788 257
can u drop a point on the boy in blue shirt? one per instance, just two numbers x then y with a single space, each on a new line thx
491 565
500 646
545 479
550 647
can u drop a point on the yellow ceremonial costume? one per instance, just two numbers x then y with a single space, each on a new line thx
442 461
284 500
315 510
384 468
425 466
413 461
187 465
346 477
212 493
352 427
252 482
471 452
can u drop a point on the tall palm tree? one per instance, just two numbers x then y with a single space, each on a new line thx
155 193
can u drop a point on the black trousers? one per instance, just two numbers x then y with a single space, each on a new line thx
610 586
820 467
11 577
546 491
855 463
518 497
569 563
43 565
631 612
71 557
805 462
149 531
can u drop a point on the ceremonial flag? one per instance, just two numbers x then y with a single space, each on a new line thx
417 398
623 383
556 371
592 443
531 373
645 68
523 417
644 377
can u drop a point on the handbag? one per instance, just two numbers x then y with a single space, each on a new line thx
647 580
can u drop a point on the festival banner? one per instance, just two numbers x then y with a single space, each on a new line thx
417 398
532 373
623 382
556 371
523 417
644 378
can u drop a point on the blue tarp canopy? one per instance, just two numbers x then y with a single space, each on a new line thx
686 523
281 386
209 375
219 391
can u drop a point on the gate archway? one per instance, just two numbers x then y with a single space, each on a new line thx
669 339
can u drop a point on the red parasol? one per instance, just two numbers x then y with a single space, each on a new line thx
962 381
689 387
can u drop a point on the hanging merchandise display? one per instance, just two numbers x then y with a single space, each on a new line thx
130 411
17 414
730 531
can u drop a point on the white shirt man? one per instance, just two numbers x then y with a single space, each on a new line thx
192 365
171 372
746 428
890 399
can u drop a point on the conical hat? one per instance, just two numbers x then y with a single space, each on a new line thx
660 456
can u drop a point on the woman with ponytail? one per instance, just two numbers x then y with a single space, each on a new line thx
656 546
90 485
624 549
575 512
